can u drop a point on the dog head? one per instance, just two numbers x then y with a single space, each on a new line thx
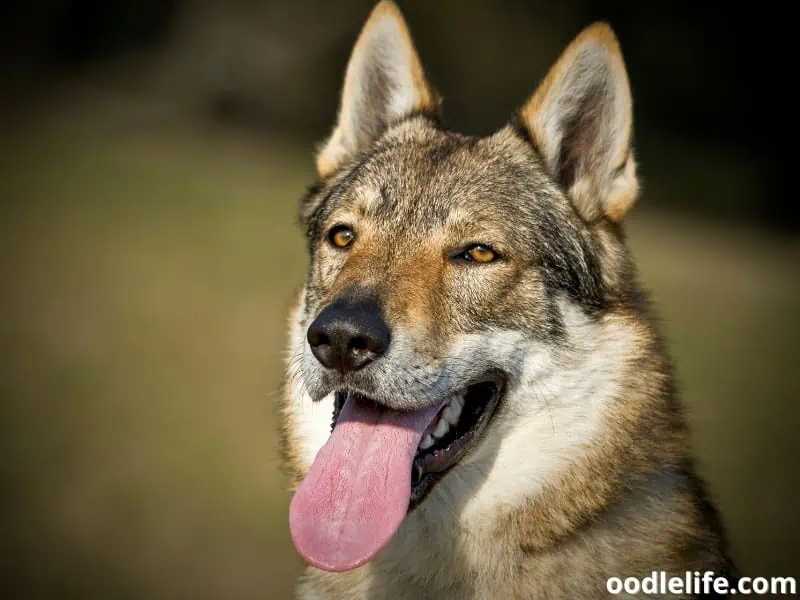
461 283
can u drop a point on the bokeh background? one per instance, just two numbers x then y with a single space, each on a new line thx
152 154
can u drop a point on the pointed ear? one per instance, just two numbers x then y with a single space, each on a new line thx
384 83
581 120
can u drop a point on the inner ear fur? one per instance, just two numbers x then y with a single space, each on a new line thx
580 119
384 83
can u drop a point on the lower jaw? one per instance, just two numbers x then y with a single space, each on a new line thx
422 488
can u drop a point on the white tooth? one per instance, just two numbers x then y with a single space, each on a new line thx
427 442
451 413
442 428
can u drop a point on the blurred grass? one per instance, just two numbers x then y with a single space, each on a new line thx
146 276
146 279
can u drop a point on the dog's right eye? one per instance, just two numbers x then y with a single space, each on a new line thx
341 236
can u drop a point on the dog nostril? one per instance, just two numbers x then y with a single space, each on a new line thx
358 343
318 338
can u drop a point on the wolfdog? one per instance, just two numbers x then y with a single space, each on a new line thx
478 404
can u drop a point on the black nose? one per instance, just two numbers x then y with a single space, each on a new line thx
348 336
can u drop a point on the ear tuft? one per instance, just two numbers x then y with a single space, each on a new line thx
581 120
384 82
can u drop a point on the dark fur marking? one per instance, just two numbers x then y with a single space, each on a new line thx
431 116
569 265
581 133
518 127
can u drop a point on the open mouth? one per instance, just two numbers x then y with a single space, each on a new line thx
377 465
451 434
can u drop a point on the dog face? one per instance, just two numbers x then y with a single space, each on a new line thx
444 238
457 285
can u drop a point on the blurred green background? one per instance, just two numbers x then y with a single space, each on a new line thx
151 160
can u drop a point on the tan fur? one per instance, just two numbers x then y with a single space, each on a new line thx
289 446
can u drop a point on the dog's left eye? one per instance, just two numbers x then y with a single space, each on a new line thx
479 253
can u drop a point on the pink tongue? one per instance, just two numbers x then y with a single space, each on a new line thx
357 492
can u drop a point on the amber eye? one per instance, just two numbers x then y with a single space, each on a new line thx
341 236
480 254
